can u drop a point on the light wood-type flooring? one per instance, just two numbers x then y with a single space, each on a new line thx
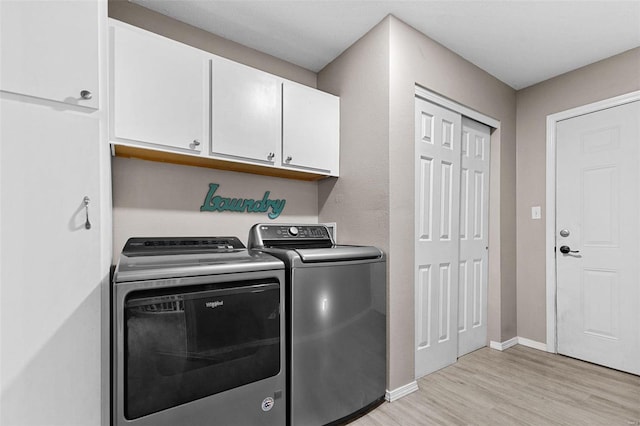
520 386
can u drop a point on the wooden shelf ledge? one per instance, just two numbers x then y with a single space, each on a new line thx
212 163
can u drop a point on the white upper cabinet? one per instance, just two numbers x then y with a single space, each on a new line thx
49 50
159 90
169 100
311 129
245 113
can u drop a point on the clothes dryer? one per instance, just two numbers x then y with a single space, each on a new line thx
198 334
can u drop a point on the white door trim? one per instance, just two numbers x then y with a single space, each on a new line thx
551 200
437 99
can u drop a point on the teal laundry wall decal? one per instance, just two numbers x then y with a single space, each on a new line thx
216 203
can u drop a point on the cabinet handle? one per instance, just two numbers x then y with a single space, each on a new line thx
270 156
195 143
85 94
86 200
288 159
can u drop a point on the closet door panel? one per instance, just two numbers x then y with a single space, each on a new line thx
474 241
437 203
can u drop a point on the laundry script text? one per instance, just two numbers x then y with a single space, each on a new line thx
216 203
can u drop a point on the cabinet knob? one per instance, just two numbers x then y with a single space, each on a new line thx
270 156
85 94
195 143
288 159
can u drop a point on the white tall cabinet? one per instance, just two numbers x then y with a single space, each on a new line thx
55 248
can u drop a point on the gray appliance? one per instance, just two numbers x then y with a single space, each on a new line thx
336 322
198 334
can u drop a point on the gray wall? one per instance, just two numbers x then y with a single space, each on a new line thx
159 199
375 79
359 200
614 76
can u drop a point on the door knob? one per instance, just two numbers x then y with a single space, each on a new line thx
85 94
567 250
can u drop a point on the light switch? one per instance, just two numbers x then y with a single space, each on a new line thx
536 213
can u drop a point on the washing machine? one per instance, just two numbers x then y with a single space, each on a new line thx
336 322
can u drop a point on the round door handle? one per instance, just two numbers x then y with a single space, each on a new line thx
567 250
196 142
288 159
85 94
270 156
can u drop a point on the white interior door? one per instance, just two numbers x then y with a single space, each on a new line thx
597 218
474 239
437 168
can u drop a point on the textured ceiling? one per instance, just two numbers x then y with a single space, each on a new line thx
519 42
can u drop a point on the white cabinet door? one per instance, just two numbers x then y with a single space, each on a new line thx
49 50
50 269
246 113
311 129
159 90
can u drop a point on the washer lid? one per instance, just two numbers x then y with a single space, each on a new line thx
339 253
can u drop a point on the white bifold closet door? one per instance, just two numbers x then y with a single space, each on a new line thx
451 206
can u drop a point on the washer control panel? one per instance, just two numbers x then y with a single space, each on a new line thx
268 235
281 232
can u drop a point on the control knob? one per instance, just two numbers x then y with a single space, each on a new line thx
293 231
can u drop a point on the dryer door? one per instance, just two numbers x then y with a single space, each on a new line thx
183 344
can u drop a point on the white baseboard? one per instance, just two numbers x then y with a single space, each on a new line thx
501 346
532 344
401 392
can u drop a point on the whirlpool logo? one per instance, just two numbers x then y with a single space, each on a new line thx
213 304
